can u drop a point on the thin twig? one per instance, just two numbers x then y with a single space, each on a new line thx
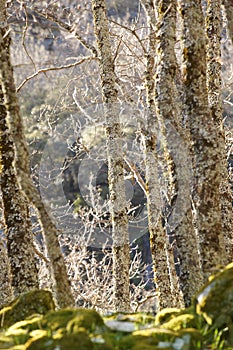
136 174
48 69
132 31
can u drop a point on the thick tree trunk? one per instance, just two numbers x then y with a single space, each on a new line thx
62 286
168 113
204 138
6 291
121 256
18 229
214 85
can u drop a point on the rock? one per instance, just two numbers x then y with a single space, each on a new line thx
215 301
78 341
27 304
72 320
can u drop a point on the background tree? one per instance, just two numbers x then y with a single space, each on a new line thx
22 168
118 205
18 228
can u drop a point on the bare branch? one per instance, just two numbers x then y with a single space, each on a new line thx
48 69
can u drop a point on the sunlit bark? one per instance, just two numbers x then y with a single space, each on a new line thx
17 224
214 85
62 286
204 138
118 207
164 271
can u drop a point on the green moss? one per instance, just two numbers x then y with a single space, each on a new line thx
166 314
19 336
6 342
79 341
72 320
29 324
215 300
181 321
27 304
141 319
147 338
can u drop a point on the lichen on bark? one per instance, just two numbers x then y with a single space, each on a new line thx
214 85
117 200
22 168
204 138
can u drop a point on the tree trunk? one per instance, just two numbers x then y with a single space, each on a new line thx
164 269
62 286
118 205
204 138
6 291
18 230
214 85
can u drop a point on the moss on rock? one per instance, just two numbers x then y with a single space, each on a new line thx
72 320
166 314
181 321
215 300
27 304
79 341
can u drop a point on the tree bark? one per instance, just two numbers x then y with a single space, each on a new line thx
62 285
118 205
6 291
214 85
168 112
164 270
18 228
204 138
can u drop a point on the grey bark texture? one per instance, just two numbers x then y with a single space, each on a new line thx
163 263
118 205
168 112
214 85
204 138
18 229
6 291
61 282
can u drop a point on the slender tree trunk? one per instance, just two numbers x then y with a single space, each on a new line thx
121 256
214 85
62 285
164 270
229 13
204 138
18 229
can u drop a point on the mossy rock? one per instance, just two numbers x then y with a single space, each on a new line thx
215 300
6 342
30 324
27 304
166 314
148 338
78 341
19 336
72 320
139 318
182 321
